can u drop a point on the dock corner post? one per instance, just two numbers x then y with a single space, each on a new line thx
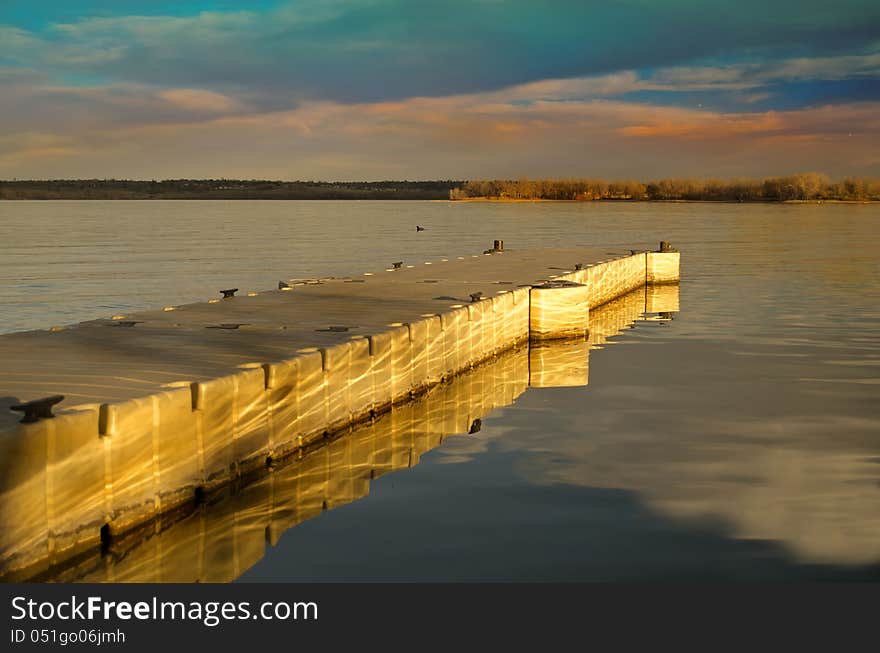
662 266
498 245
558 310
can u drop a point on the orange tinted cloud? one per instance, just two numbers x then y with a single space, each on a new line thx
709 126
200 100
804 125
501 133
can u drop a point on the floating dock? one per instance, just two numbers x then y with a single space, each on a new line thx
219 539
162 408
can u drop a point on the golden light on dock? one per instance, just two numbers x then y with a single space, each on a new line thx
331 473
235 415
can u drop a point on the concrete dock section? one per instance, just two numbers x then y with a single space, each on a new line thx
163 407
218 540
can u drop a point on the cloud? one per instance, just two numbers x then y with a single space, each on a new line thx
14 42
468 135
36 146
199 100
388 49
750 75
30 102
472 89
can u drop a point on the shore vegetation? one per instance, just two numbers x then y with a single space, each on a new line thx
806 187
223 189
809 186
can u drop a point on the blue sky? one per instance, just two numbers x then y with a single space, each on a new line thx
378 88
36 14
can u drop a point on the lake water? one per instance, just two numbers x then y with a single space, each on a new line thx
739 440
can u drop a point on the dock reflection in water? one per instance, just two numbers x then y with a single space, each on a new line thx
220 539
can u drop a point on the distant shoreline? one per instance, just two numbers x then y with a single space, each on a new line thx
807 188
469 200
223 189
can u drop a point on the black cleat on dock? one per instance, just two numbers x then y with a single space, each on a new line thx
229 292
37 409
397 265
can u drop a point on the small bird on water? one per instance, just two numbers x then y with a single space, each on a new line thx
419 228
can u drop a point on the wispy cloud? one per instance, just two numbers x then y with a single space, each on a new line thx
200 100
752 74
317 89
463 135
394 48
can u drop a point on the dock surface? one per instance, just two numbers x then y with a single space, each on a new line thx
161 408
220 540
110 360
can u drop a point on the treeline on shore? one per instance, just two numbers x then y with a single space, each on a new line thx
804 187
224 189
807 186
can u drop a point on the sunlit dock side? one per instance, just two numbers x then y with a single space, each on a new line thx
218 539
167 407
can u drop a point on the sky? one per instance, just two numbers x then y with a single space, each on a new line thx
454 89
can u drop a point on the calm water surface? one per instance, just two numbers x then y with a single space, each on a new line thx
740 440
